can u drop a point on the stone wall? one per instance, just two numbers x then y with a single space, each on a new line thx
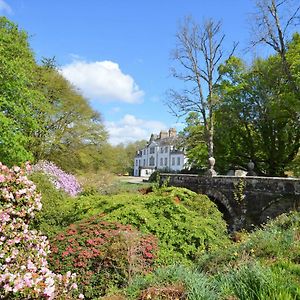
244 201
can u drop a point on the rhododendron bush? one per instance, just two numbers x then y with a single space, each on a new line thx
60 179
24 272
104 254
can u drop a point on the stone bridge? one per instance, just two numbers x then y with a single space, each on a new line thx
244 201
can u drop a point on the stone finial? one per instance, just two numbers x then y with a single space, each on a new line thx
211 171
251 168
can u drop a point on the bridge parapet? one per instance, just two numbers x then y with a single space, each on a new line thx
244 201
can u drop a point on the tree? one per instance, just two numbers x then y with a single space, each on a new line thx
193 141
273 22
73 132
41 115
119 159
19 101
256 117
198 53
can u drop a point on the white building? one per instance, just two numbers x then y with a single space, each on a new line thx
160 153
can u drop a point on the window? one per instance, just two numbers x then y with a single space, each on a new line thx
178 161
152 150
144 163
166 161
151 161
144 151
166 149
161 150
136 162
161 161
173 161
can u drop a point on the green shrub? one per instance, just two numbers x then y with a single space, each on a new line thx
154 177
104 255
59 209
186 224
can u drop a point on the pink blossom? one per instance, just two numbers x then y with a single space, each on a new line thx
2 178
24 268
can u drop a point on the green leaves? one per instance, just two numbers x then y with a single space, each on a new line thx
258 118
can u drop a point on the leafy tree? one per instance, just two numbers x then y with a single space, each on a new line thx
119 159
74 132
258 115
193 140
20 102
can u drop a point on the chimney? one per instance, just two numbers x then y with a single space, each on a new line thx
172 132
163 134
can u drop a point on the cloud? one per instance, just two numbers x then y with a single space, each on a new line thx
5 7
130 129
103 81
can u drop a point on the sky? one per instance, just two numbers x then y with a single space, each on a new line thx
117 52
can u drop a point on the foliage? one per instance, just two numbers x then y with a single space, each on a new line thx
119 159
252 268
41 115
74 134
164 281
186 224
252 281
59 209
105 255
258 118
154 177
20 103
193 140
23 252
258 264
60 179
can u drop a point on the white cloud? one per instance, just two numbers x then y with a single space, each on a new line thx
130 129
5 7
103 81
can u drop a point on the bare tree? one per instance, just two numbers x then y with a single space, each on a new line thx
272 26
199 52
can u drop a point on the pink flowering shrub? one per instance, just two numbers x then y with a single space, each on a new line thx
104 254
59 178
24 272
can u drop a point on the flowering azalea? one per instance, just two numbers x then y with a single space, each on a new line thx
23 252
59 178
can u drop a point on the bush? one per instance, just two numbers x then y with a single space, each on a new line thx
60 179
59 209
154 177
105 255
23 252
186 224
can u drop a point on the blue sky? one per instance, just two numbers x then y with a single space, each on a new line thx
118 52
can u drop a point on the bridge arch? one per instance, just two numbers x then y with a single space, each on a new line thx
223 205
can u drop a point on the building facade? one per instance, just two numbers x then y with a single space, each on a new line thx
161 154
